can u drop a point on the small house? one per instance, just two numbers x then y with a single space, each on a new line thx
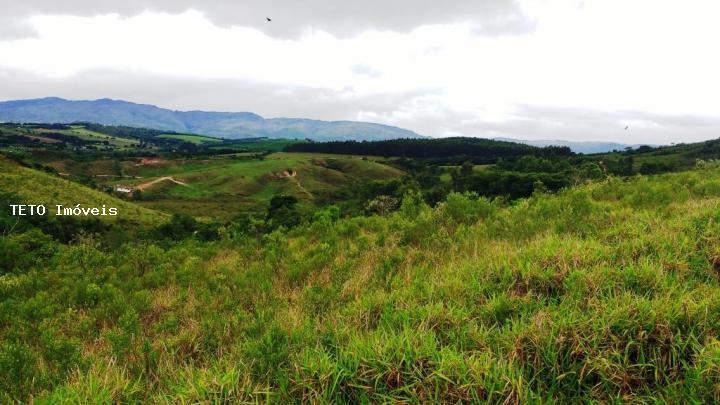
123 189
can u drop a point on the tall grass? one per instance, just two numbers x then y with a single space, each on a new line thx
608 292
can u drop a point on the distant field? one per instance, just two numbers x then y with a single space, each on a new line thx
80 132
50 135
274 145
194 139
224 187
251 145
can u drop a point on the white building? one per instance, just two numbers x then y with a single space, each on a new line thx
122 189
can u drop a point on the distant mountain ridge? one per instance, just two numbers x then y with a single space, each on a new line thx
586 147
232 125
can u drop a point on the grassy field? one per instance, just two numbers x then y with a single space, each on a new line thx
275 145
194 139
125 140
80 132
36 187
607 292
224 187
217 179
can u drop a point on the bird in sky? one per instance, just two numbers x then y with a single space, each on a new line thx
627 127
268 18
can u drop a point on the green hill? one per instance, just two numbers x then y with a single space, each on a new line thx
195 139
318 276
36 187
225 186
607 292
667 158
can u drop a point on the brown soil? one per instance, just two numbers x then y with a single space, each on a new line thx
144 186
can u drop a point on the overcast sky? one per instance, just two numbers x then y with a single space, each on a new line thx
530 69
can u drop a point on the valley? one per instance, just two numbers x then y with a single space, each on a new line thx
223 202
457 269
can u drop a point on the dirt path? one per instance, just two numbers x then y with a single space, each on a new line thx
300 186
143 186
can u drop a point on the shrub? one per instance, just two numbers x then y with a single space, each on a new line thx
465 208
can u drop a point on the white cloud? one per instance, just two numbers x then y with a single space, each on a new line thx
291 17
182 93
13 28
616 61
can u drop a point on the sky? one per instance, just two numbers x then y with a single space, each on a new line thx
527 69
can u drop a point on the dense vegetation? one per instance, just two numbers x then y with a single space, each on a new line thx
538 277
607 291
477 150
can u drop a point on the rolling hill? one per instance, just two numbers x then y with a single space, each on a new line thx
604 293
36 187
232 125
325 276
226 186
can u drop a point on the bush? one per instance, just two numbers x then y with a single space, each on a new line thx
465 208
283 212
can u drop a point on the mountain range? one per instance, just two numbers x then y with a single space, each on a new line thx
231 125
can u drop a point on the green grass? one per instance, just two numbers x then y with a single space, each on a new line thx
679 157
88 135
194 139
608 292
223 188
274 145
78 131
36 187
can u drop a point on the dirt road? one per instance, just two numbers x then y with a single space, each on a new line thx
143 186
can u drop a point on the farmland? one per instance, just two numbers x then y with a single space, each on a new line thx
229 186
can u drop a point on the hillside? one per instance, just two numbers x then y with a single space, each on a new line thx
607 292
192 174
36 187
227 186
221 124
668 158
449 270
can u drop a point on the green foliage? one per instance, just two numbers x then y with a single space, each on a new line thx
466 208
481 151
283 212
382 205
654 168
604 292
327 216
183 226
707 164
17 369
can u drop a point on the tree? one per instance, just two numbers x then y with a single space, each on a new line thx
382 205
179 227
283 212
466 169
